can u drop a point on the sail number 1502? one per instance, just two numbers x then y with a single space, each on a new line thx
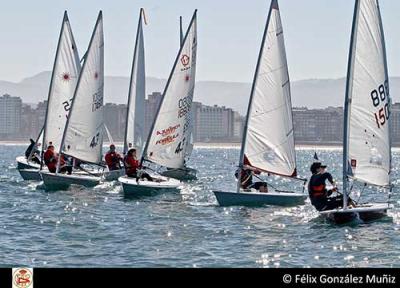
378 97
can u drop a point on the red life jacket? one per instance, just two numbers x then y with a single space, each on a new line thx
50 160
131 165
112 160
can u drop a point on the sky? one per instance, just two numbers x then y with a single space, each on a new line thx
317 35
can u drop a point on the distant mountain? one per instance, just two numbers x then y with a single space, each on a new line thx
305 93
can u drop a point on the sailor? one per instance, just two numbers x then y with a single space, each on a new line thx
319 194
50 159
132 165
35 154
113 159
246 179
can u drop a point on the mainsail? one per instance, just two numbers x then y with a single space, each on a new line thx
367 149
83 135
171 129
62 86
268 142
134 129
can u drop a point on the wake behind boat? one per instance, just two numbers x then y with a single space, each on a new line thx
366 142
268 149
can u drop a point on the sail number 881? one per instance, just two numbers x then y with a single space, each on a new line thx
380 96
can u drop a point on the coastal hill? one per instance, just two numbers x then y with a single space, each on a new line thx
314 93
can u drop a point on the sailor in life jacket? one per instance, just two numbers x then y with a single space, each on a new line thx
50 159
113 159
318 193
246 179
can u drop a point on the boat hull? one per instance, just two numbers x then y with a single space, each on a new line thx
63 181
22 163
113 175
365 213
131 187
182 174
259 199
30 174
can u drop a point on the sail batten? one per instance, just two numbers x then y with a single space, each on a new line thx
268 143
170 134
83 135
367 147
134 129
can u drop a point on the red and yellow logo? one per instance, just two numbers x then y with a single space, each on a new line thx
22 278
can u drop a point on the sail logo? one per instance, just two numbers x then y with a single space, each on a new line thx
167 140
353 163
168 131
66 77
22 278
185 60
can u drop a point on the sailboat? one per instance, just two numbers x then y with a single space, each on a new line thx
366 143
134 125
83 134
169 134
62 86
28 169
268 140
184 173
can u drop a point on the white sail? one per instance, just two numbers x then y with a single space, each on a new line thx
62 86
171 131
368 101
134 129
83 136
269 143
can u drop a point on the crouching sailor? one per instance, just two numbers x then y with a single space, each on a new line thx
50 159
246 179
113 159
319 194
132 165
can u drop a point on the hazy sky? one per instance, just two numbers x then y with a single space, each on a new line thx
317 34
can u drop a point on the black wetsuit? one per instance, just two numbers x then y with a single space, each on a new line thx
247 180
319 195
28 152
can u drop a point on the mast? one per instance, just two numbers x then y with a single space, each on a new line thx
249 108
387 79
348 98
130 86
99 18
65 19
143 158
180 31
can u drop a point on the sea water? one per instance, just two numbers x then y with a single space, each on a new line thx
99 227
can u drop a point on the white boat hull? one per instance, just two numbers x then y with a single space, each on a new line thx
132 187
259 199
365 213
113 175
63 181
22 163
30 174
182 174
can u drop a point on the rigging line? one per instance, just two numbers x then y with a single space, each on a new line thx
362 191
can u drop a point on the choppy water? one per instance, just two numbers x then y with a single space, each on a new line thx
100 228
